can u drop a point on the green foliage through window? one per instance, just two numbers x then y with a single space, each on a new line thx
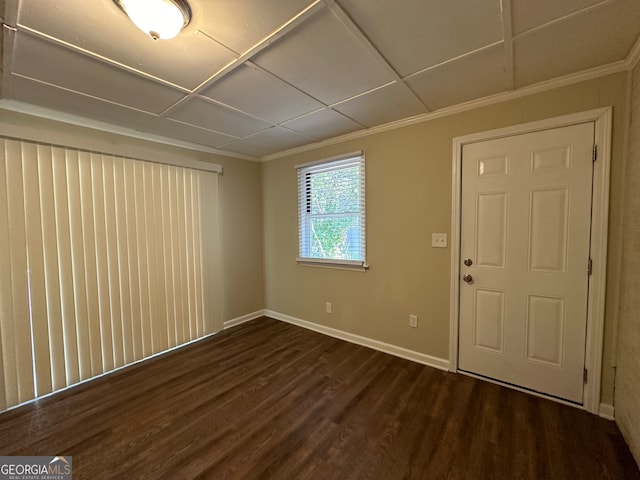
331 197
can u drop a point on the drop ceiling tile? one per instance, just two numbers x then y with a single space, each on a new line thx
416 34
580 42
240 24
468 78
54 98
323 124
322 58
102 28
254 91
384 105
200 112
246 147
279 138
52 63
189 133
526 14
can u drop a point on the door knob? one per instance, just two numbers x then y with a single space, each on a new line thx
467 278
468 262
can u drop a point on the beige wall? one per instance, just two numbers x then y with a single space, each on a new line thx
627 397
240 200
408 199
241 241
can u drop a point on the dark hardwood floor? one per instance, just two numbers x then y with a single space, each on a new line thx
267 400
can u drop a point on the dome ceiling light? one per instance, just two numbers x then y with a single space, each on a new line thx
160 19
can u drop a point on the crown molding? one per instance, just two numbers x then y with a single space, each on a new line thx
633 58
590 74
634 55
49 114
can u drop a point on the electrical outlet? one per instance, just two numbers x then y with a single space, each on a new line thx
327 307
439 240
413 321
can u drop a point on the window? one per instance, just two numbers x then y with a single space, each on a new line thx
331 212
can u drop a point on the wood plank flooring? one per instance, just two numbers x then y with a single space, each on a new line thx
268 400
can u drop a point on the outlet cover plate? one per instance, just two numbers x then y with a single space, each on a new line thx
439 240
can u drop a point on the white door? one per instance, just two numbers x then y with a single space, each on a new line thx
525 239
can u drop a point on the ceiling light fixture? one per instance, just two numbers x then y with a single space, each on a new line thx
160 19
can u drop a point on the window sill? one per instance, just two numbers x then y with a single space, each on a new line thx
358 266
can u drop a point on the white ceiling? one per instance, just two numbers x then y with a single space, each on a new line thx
256 77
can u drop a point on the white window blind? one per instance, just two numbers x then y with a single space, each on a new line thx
104 261
331 212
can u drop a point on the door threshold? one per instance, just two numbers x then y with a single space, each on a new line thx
521 389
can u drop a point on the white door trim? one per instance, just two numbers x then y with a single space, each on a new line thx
599 227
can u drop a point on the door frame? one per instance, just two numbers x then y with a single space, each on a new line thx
599 232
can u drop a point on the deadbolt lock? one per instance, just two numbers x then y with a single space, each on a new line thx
468 262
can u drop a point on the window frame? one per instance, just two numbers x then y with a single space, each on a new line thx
304 215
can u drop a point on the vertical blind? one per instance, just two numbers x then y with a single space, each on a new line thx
104 261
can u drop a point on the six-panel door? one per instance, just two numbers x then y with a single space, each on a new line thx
525 227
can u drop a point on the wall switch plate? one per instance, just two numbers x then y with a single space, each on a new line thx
439 240
327 307
413 321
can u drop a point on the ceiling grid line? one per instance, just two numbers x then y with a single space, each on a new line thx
353 28
264 77
290 25
359 95
246 56
454 59
203 128
186 98
100 58
81 93
249 137
309 114
280 79
560 20
325 105
507 37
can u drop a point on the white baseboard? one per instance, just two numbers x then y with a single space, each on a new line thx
244 318
606 411
422 358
